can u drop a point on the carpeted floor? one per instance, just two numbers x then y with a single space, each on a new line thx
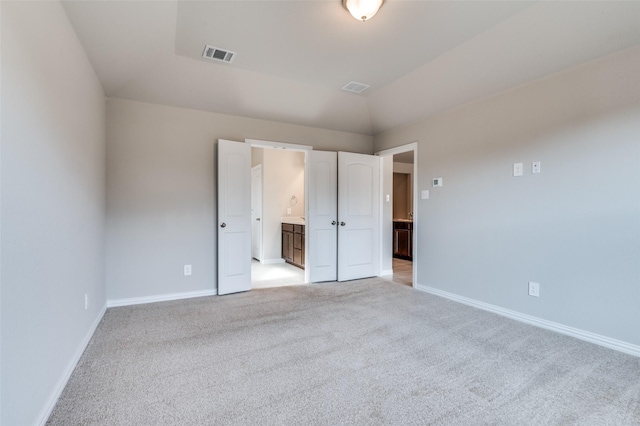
361 352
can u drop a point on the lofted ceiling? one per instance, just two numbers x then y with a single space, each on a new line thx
419 57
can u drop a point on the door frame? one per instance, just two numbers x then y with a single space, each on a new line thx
413 146
260 248
257 143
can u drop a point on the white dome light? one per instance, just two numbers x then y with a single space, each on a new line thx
362 10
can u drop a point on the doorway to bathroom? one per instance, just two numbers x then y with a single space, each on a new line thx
342 193
278 209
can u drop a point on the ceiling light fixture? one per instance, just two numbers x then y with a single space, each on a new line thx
362 10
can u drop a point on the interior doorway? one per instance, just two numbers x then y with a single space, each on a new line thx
281 193
399 214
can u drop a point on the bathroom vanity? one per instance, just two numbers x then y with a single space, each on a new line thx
293 230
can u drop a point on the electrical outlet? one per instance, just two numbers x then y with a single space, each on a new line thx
86 301
535 167
288 210
187 270
534 289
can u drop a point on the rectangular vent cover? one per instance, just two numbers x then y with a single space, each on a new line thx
217 54
354 87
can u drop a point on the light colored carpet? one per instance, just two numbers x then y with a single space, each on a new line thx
361 352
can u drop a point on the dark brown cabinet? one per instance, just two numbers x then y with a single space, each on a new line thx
293 244
403 240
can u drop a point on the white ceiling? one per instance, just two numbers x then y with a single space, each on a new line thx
420 57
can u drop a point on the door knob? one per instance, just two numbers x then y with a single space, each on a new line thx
333 222
222 225
342 224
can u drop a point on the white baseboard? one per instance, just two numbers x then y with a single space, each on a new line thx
160 298
598 339
271 261
386 272
66 375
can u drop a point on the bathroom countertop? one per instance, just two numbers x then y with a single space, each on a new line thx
403 220
294 220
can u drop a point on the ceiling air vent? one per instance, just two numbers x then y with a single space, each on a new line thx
354 87
217 54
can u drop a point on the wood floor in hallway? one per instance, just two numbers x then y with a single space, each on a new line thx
403 271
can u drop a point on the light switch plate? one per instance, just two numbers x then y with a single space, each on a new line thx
424 194
517 169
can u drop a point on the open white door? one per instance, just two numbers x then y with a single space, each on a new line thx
234 217
256 212
358 216
322 216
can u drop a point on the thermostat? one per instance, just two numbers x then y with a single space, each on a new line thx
437 182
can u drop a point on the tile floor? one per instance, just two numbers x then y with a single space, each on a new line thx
283 274
275 275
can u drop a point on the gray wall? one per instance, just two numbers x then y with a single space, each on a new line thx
161 189
575 228
52 211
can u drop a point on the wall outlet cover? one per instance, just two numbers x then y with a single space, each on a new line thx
535 167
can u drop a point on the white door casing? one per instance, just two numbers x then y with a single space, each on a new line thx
321 221
386 249
256 212
358 216
234 217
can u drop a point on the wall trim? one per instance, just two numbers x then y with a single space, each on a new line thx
386 272
598 339
271 261
68 371
277 145
112 303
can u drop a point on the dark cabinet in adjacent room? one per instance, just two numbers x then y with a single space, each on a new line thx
403 240
293 244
